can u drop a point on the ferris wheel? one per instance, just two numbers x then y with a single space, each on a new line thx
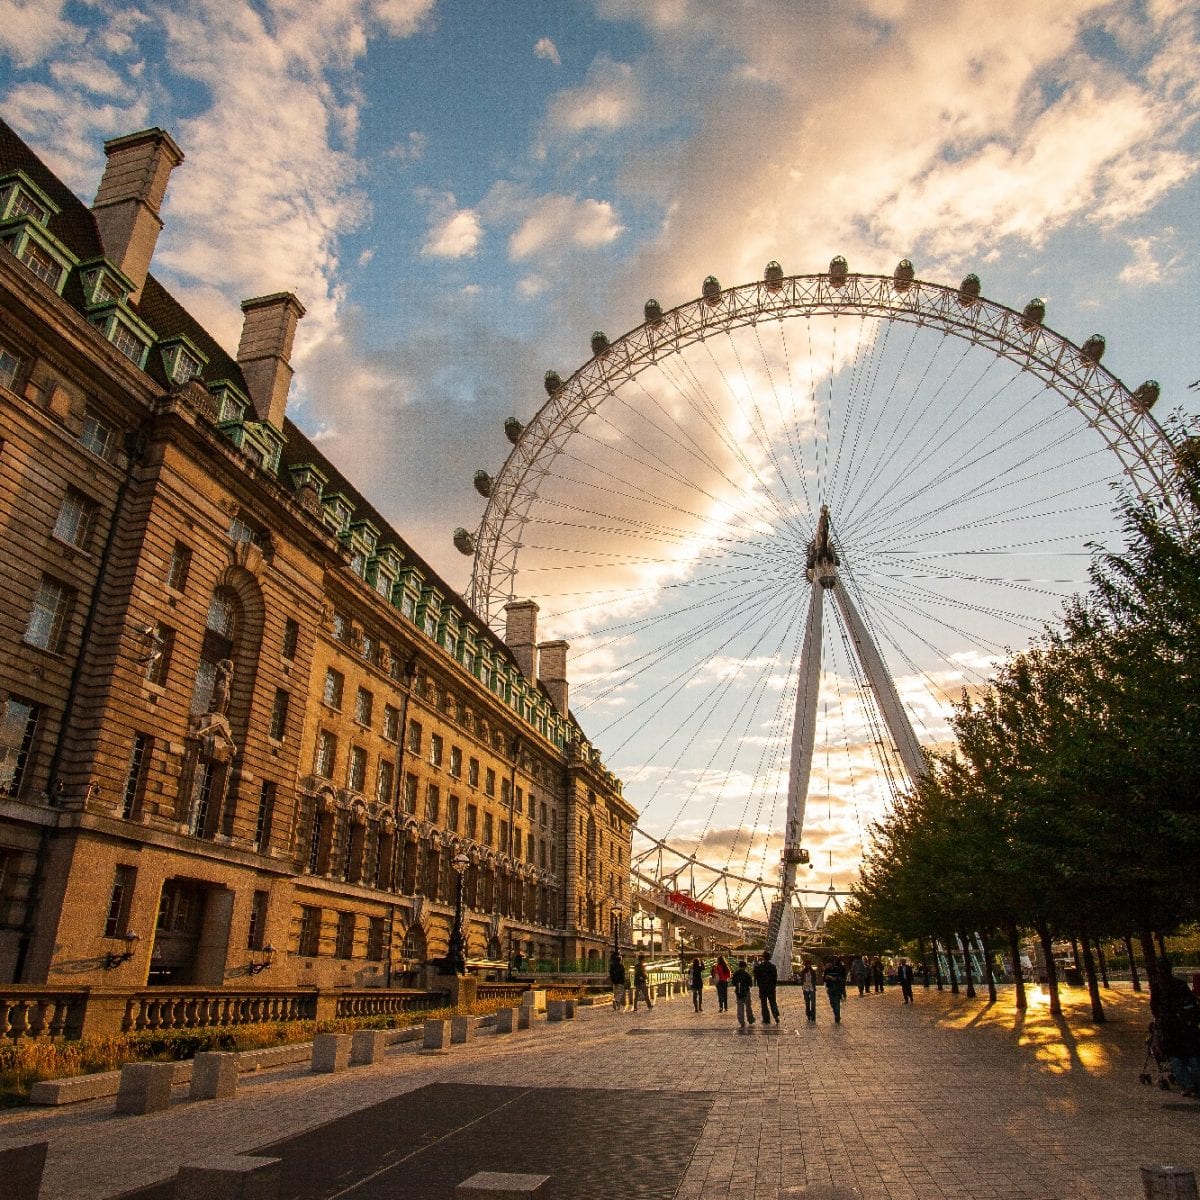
940 464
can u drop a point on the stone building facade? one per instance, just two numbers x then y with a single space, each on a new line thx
246 730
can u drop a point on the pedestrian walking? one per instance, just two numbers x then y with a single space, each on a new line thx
616 975
859 973
742 981
766 978
641 983
877 973
696 977
904 977
808 985
834 978
721 975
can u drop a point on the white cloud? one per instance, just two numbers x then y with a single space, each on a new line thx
609 99
1153 259
545 48
457 235
411 148
31 29
557 222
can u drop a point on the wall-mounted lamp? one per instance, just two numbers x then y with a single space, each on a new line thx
265 959
112 959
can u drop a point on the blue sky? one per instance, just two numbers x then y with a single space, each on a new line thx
460 192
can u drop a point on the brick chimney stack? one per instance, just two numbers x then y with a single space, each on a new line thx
552 663
520 636
130 194
268 330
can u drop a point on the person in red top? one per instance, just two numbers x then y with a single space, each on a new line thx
721 975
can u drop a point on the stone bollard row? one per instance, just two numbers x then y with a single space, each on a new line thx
500 1185
508 1020
368 1046
145 1088
330 1052
214 1076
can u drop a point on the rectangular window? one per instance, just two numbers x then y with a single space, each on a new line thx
529 847
414 737
435 749
48 619
279 715
310 932
356 774
472 820
334 682
180 565
489 783
542 815
385 781
129 345
452 813
433 803
75 519
16 741
456 761
410 793
408 606
160 643
542 853
341 627
10 368
97 434
364 705
326 754
266 816
505 790
291 637
41 264
391 722
116 922
344 947
375 939
520 798
473 772
135 776
487 828
502 844
258 921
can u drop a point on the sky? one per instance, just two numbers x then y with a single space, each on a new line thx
461 191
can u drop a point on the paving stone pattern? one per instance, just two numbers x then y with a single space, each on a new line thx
946 1099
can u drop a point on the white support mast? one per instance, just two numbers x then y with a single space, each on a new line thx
822 574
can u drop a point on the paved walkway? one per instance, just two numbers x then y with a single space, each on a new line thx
948 1098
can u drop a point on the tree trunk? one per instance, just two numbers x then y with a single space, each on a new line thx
1151 960
950 967
1075 954
924 962
937 963
1047 941
1162 946
1134 978
988 976
1014 948
1102 963
1089 968
965 943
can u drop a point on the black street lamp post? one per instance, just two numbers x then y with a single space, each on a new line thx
456 952
617 910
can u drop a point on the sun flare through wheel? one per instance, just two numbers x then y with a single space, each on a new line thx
662 504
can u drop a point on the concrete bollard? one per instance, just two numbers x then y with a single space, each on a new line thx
556 1010
500 1185
506 1020
368 1046
228 1177
436 1036
569 1009
145 1087
1161 1181
462 1029
214 1076
535 999
330 1052
524 1018
21 1169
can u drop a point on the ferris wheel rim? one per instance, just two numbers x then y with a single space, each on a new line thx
1141 444
1128 428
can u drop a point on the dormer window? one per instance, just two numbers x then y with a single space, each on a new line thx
338 513
10 367
230 405
126 333
127 343
408 606
181 362
22 204
21 198
38 260
103 284
358 563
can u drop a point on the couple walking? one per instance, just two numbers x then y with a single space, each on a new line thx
720 976
765 978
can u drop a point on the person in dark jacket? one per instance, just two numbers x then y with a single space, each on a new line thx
766 978
616 976
742 982
720 976
834 978
1177 1016
696 980
808 985
904 977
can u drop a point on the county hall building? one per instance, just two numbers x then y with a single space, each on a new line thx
244 727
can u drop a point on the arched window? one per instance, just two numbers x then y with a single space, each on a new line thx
220 643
